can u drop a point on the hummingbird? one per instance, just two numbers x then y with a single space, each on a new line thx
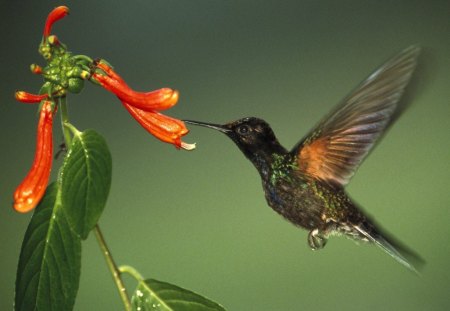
306 185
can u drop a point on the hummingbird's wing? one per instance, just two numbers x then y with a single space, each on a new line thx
334 149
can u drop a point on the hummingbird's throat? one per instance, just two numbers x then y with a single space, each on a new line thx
273 167
282 167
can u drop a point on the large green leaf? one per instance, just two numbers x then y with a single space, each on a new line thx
49 264
85 181
160 296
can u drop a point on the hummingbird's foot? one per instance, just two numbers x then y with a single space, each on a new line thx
316 239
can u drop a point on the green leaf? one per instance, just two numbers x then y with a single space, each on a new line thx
48 273
160 296
85 181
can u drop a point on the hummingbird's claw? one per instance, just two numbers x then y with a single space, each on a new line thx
316 239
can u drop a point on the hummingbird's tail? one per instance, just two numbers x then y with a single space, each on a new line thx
396 250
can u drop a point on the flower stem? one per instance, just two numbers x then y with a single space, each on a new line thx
65 120
113 268
131 271
69 130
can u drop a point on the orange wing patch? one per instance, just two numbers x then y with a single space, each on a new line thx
312 159
331 159
336 147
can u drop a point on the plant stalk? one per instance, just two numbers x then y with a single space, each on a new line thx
131 271
64 121
67 130
113 268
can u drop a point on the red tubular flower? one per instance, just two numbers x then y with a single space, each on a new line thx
36 69
29 98
144 107
55 15
30 191
161 99
109 71
164 128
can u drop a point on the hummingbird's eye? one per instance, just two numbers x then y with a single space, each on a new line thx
243 129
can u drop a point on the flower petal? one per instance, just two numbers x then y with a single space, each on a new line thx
29 98
53 16
161 99
108 69
166 129
30 191
36 69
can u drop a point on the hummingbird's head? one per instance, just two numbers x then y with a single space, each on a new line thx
252 135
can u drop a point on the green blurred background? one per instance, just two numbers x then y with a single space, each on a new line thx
199 219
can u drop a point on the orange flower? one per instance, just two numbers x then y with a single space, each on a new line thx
29 193
164 128
55 15
29 98
144 107
161 99
36 69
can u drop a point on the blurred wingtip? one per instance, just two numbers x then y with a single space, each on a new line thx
423 77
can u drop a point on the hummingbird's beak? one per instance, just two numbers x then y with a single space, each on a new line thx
217 127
